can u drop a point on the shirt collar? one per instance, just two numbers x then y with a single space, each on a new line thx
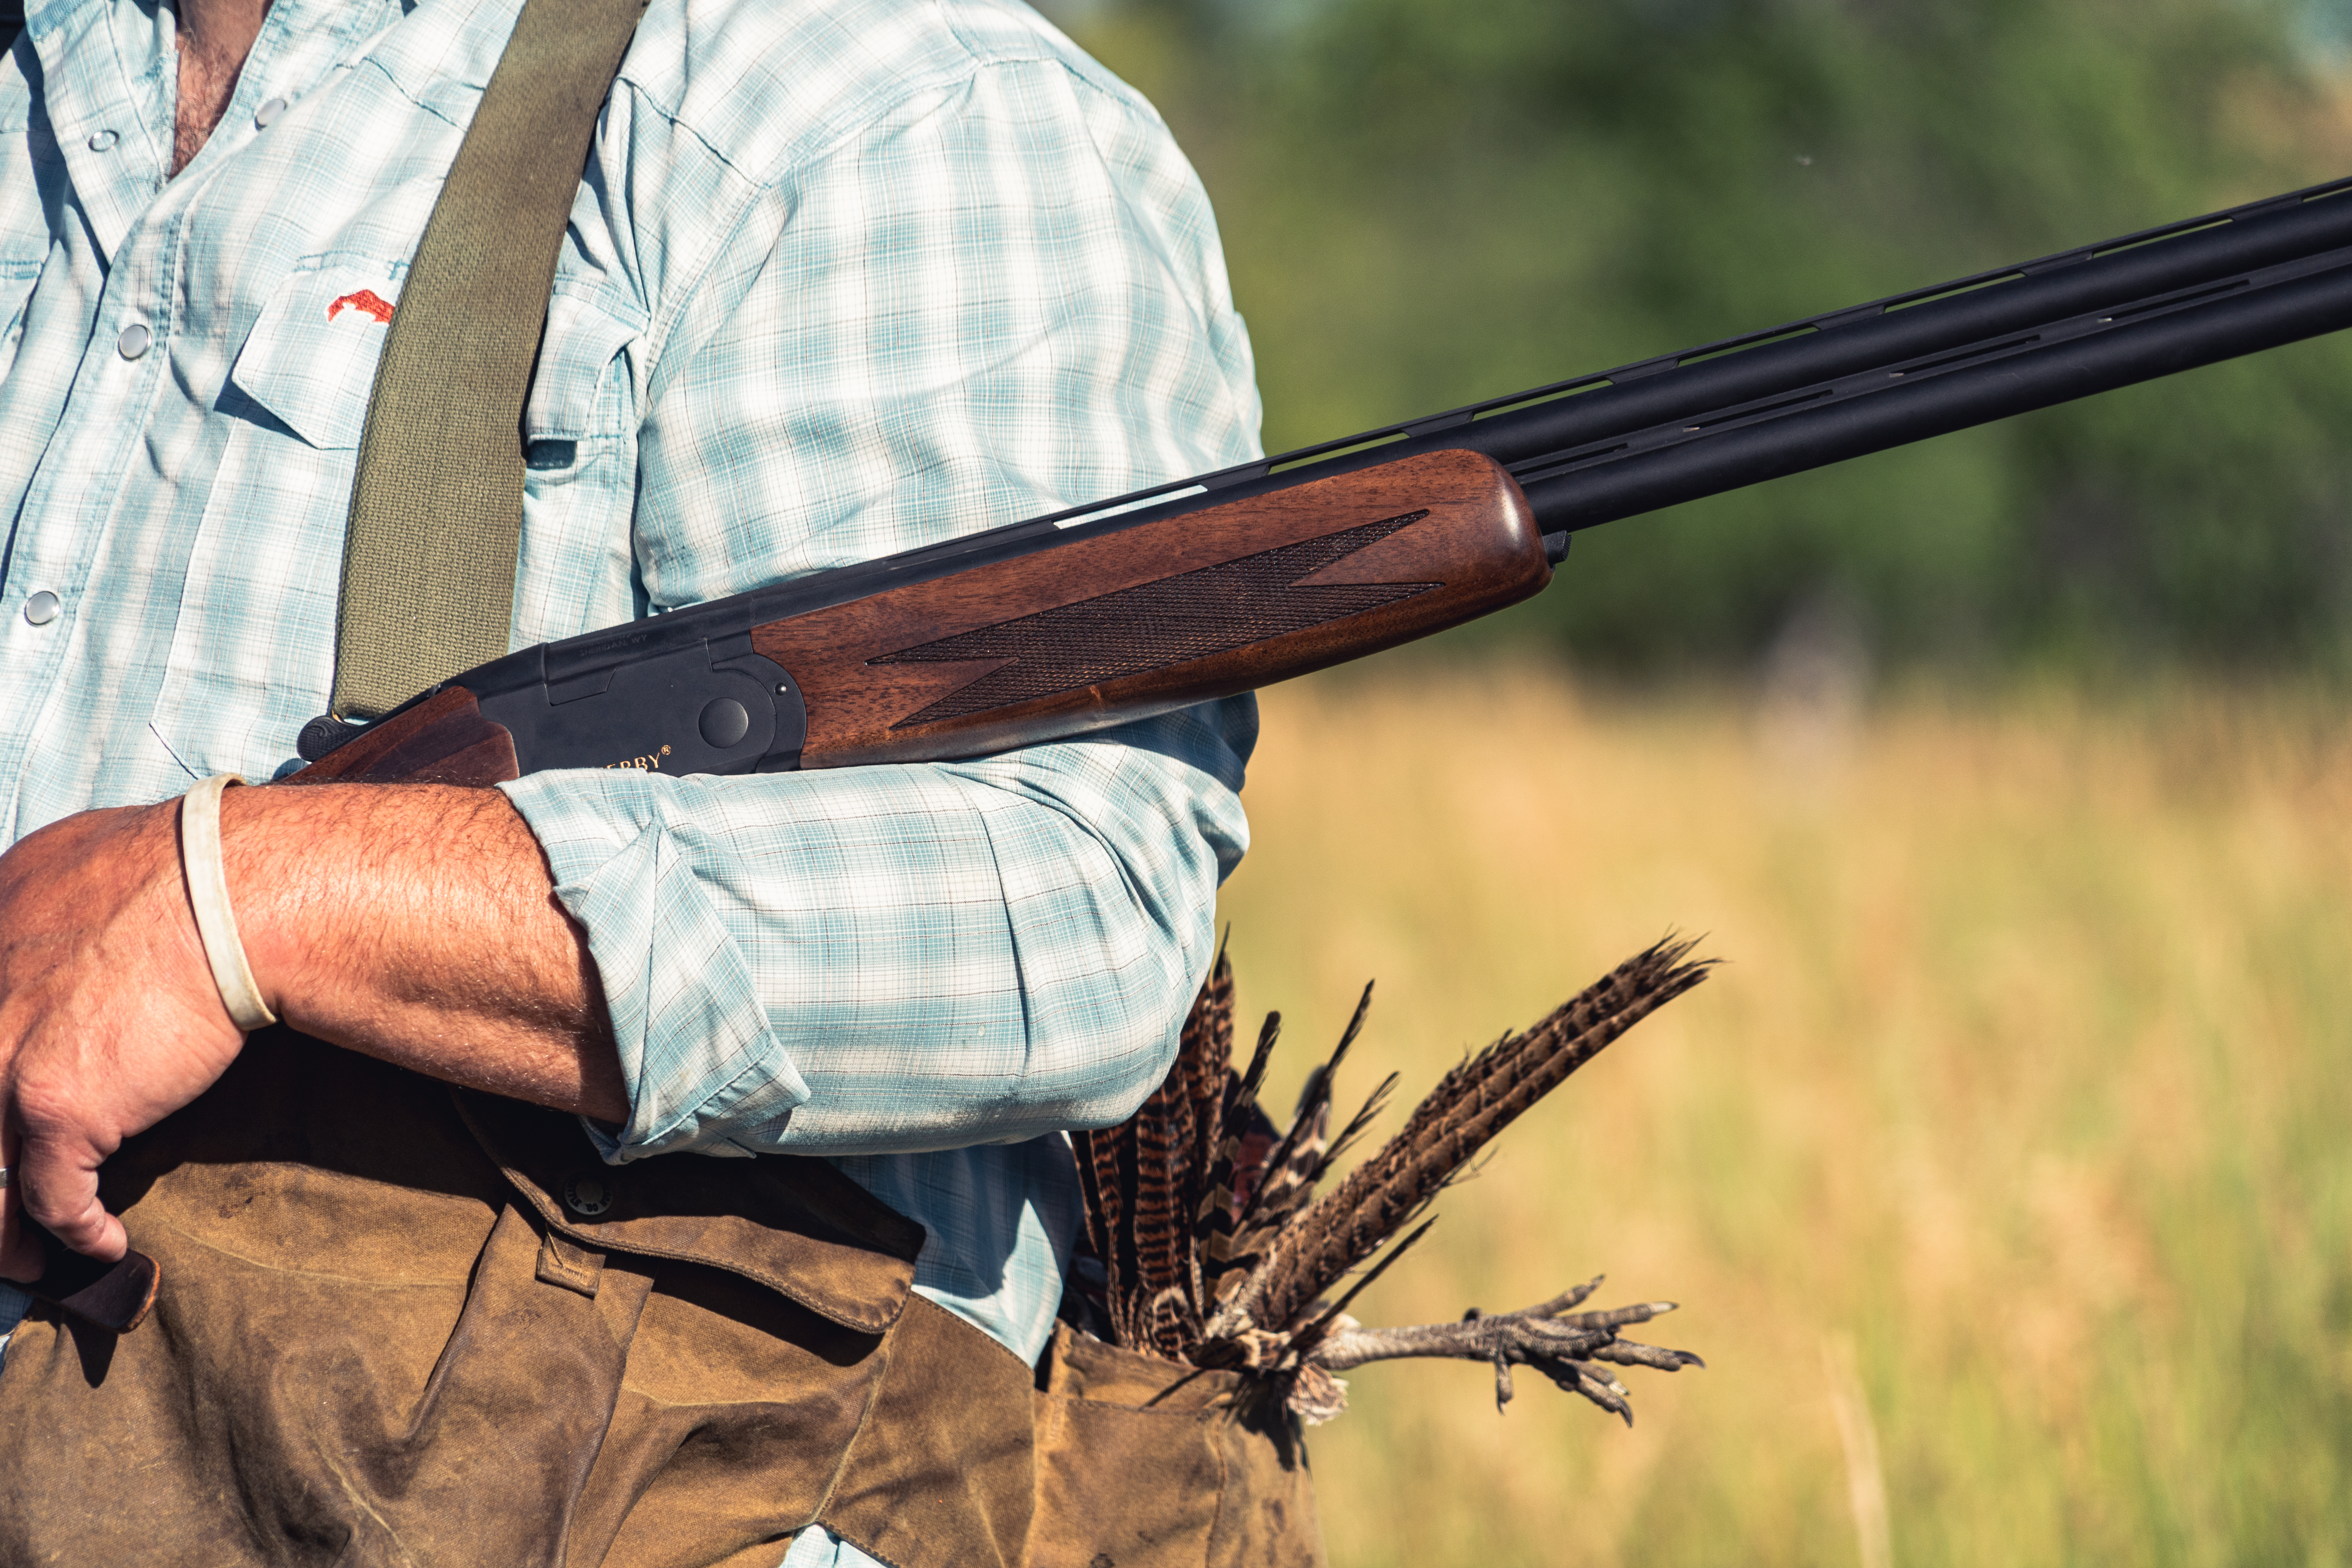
108 84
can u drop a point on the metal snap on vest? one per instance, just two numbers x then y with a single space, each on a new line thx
133 340
103 141
270 110
42 607
587 1196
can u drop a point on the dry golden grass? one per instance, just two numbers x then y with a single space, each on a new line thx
2011 1140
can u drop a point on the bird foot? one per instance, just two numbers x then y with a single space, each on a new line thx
1574 1349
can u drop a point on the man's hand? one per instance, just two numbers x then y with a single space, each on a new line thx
413 923
109 1019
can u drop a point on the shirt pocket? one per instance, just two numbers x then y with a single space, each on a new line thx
582 389
577 569
253 648
310 362
253 654
23 217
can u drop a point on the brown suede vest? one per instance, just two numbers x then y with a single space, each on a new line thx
401 1324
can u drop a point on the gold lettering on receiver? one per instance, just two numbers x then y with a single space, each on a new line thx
651 763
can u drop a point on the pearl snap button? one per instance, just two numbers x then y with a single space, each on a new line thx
42 608
133 340
270 110
103 141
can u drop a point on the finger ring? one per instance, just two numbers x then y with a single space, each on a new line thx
7 1177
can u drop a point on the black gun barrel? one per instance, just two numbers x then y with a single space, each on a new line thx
1875 410
1854 381
2111 279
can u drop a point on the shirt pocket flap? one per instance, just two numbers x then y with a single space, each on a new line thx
17 276
17 281
311 358
577 393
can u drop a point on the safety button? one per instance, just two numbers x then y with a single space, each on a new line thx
724 722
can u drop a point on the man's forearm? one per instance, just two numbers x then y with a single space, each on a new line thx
416 923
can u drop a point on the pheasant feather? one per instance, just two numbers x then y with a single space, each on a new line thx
1215 1252
1470 1106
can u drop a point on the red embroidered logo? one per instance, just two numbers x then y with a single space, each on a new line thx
367 301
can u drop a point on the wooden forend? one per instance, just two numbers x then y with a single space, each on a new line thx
444 740
1155 617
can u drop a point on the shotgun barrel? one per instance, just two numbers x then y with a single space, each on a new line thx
2162 299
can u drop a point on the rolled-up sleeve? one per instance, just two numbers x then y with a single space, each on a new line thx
995 296
900 958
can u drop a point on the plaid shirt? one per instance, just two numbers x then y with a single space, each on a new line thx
844 277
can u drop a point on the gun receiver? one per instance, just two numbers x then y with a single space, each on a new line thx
1234 579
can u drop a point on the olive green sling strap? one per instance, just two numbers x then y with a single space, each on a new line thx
436 506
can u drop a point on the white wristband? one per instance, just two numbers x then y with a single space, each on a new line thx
200 862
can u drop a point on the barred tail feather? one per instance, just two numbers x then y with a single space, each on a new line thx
1216 1250
1310 1122
1476 1101
1206 1054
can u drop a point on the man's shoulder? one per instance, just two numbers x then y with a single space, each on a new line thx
770 84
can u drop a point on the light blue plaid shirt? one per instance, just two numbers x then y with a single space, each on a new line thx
844 277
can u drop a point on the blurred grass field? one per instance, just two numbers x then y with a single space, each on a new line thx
2009 1140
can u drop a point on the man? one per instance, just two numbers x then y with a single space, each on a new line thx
841 279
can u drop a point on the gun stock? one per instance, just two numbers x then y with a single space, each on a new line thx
1171 613
442 739
1076 633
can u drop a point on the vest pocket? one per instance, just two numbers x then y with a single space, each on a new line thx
358 1355
1150 1464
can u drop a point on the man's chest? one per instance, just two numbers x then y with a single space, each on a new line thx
185 375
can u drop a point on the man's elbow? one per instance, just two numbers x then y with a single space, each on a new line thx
1098 1076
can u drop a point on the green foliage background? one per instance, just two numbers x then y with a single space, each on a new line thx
1425 202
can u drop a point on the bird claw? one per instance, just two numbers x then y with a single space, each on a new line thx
1632 1352
1573 1349
1610 1394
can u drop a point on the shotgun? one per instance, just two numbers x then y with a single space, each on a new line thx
1218 584
1234 579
